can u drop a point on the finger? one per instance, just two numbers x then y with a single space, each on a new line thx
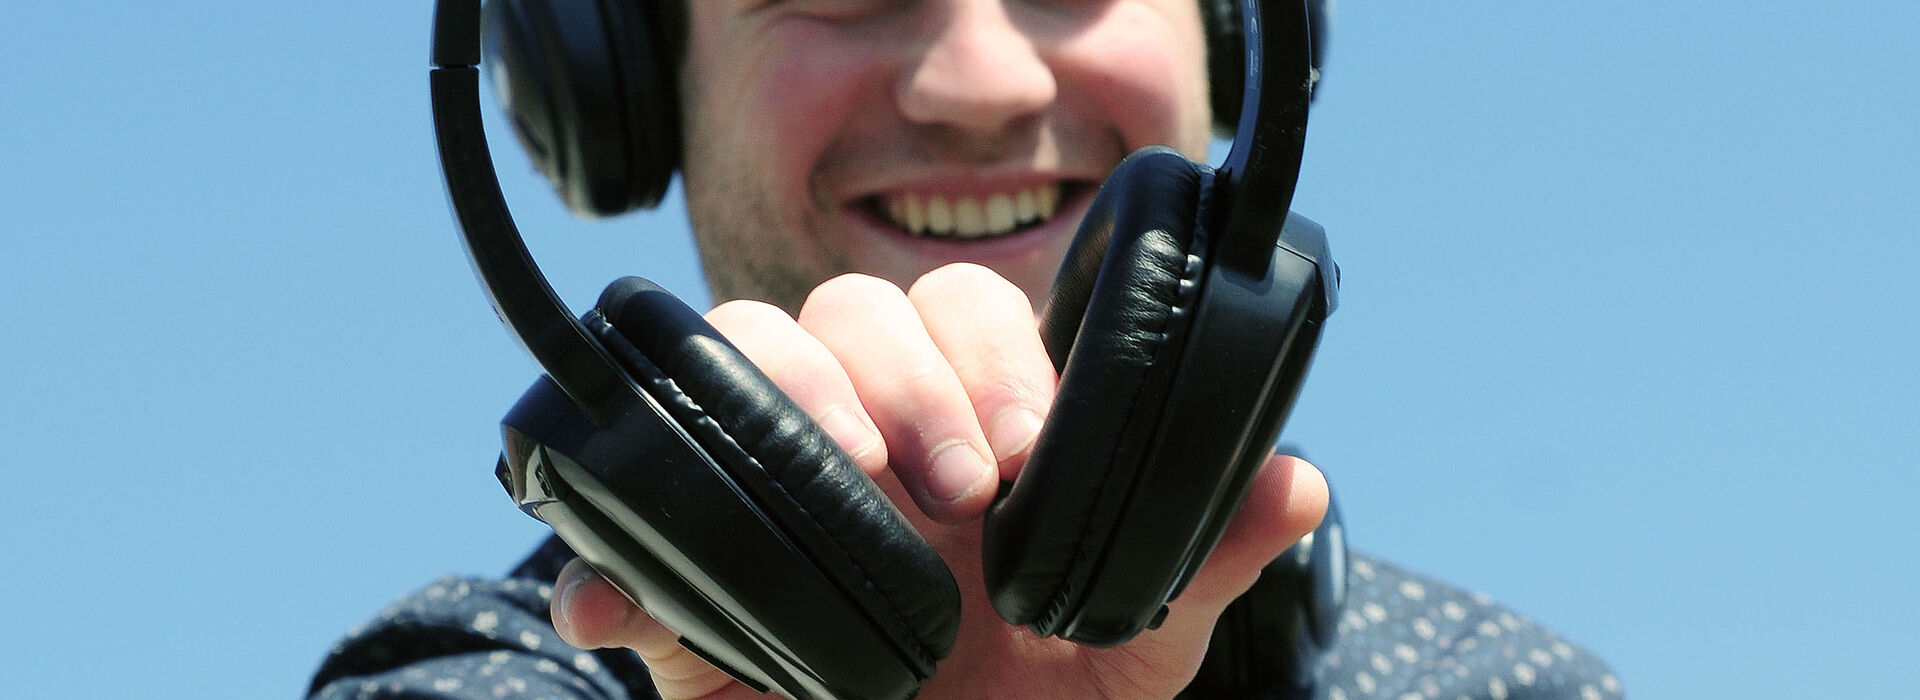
984 326
934 442
1286 501
806 371
590 613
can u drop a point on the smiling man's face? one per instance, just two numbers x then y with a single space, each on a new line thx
891 137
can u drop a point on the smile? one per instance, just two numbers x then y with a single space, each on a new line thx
968 216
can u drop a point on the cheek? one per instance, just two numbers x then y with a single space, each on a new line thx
805 97
766 102
1147 72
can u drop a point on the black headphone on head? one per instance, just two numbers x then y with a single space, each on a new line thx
591 88
1182 323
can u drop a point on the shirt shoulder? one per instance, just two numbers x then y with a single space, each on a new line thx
463 637
1405 635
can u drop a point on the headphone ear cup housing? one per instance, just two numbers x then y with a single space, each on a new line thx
1115 327
1176 375
713 501
596 112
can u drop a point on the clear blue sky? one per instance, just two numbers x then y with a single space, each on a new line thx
1627 338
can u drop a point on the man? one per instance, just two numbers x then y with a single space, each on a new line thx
881 192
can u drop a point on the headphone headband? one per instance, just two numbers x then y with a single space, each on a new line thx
520 295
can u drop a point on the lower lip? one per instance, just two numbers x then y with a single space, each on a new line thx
1021 244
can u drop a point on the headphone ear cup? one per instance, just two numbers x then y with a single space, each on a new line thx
1115 325
1226 62
827 505
595 113
641 32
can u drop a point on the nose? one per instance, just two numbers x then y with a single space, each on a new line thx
979 72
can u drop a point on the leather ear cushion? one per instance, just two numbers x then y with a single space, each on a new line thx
778 455
1114 326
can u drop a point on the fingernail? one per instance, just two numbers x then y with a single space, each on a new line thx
957 470
1013 430
853 435
563 591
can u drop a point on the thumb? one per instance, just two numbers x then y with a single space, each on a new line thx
1286 500
590 613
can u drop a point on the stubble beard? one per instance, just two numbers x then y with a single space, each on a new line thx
747 251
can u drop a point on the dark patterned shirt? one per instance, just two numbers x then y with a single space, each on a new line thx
1402 636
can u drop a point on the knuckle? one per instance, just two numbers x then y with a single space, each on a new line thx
1010 390
678 666
870 455
748 323
925 383
746 312
852 291
963 280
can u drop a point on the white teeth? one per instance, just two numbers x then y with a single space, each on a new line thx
1000 213
967 216
968 220
939 217
916 219
1024 207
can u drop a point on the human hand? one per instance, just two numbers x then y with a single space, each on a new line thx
937 393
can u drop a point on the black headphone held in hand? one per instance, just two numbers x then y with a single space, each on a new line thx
1182 324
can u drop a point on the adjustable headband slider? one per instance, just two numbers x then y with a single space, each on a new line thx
456 33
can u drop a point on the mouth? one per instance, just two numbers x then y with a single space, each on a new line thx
972 216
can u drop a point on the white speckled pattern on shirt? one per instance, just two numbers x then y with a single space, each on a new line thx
1402 637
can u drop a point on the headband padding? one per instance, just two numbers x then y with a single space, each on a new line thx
786 463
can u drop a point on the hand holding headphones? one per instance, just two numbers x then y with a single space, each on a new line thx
682 473
869 329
